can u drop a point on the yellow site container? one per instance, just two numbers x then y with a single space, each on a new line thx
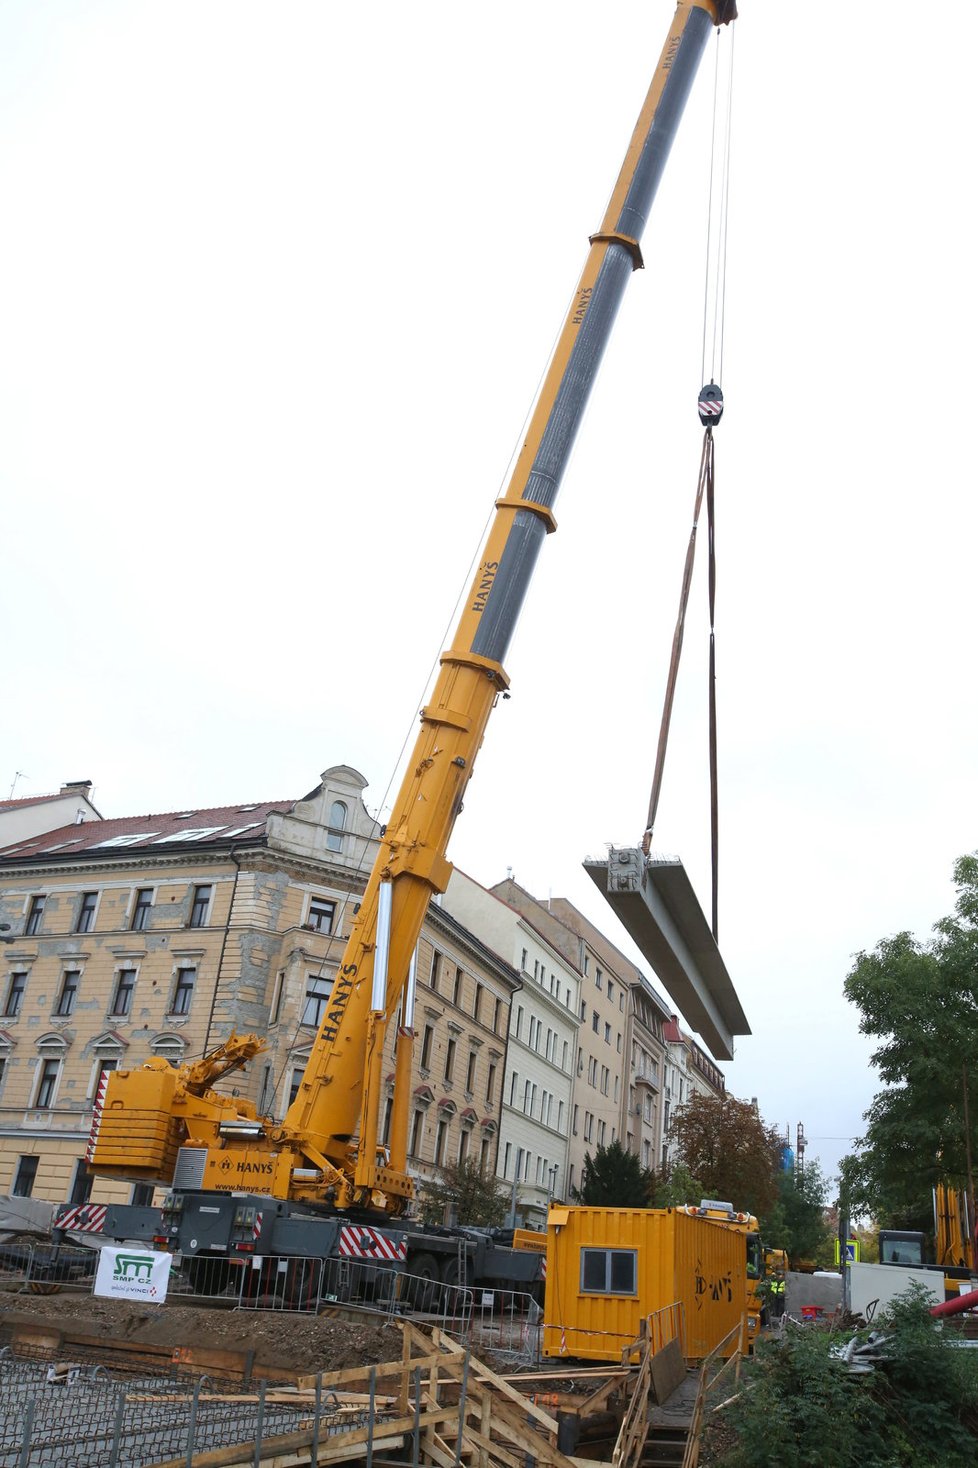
610 1268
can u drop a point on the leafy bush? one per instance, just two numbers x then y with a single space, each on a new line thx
801 1408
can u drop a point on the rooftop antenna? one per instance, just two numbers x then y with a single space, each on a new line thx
19 775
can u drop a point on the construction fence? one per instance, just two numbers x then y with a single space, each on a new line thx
507 1323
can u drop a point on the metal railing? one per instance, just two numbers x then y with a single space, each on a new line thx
48 1268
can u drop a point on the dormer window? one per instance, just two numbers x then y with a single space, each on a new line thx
337 825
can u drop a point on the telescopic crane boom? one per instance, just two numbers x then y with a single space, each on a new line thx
326 1147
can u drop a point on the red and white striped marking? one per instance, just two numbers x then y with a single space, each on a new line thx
97 1105
88 1218
711 408
370 1243
543 1266
256 1228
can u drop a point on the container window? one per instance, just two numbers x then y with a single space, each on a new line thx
608 1271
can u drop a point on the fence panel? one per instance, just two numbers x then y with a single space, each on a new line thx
508 1323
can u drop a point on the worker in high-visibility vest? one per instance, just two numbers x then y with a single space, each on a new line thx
776 1292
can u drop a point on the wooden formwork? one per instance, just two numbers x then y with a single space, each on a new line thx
437 1406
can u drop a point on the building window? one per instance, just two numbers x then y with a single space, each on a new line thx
594 1021
295 1083
86 912
15 994
583 1009
81 1183
200 910
318 990
608 1271
457 988
449 1060
592 1071
275 1008
122 999
513 1083
426 1046
142 1195
523 962
490 1084
24 1180
470 1072
463 1145
506 1154
605 1080
484 1155
385 1132
34 915
416 1124
321 914
69 992
440 1137
337 825
597 978
478 1003
574 1123
103 1068
601 1127
611 991
141 909
496 1015
170 1047
183 991
47 1083
607 1034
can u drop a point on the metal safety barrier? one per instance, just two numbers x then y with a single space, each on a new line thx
80 1419
507 1323
48 1268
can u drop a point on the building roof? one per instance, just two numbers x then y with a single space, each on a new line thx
28 800
215 825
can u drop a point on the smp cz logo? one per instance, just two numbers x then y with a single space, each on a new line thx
134 1267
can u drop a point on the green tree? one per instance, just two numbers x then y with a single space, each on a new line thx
797 1222
614 1178
675 1187
476 1197
920 1001
724 1143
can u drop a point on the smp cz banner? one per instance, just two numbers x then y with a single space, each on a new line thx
133 1274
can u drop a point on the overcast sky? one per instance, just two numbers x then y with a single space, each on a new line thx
278 284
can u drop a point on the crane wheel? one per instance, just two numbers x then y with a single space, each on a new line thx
421 1284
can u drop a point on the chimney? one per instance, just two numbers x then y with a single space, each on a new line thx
76 787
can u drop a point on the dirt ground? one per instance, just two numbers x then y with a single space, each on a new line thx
289 1342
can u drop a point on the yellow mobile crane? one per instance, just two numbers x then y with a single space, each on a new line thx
170 1127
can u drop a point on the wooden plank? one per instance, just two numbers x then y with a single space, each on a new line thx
483 1374
668 1371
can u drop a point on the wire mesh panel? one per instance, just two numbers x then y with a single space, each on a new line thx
74 1418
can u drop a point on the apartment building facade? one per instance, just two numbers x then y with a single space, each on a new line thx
539 1074
159 935
689 1072
621 1052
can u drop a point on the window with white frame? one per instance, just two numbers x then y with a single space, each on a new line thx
85 920
337 825
141 909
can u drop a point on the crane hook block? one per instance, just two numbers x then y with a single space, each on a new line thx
710 405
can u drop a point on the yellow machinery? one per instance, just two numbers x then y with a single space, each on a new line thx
326 1149
954 1243
609 1269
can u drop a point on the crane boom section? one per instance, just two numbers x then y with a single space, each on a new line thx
329 1134
328 1107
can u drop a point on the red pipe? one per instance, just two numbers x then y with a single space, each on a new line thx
957 1305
